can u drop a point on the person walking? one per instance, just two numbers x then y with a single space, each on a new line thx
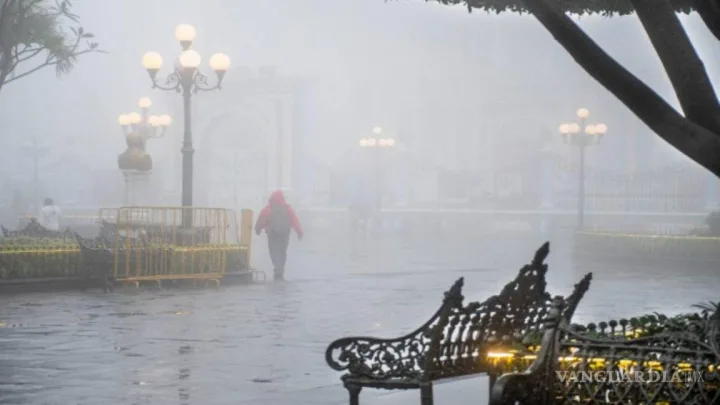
278 219
360 214
49 216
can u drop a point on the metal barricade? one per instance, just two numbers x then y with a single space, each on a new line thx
152 244
106 214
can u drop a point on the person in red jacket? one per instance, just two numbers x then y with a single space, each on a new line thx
278 219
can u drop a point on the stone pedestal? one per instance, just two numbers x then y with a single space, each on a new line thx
137 188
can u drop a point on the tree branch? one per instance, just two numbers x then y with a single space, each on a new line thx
693 140
709 11
26 53
31 27
684 67
45 64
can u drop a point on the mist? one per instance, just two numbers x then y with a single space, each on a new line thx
459 91
473 177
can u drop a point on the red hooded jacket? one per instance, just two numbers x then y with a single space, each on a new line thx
277 198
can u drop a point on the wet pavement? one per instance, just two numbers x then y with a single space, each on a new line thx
265 343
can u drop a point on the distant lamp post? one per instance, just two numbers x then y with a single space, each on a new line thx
134 162
376 144
187 79
376 141
146 125
582 136
36 152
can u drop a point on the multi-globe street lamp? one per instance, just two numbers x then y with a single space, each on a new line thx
376 140
146 125
135 163
582 135
376 143
187 79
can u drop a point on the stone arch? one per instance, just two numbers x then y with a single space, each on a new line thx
232 157
210 127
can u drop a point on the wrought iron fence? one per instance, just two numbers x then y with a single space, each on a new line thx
672 189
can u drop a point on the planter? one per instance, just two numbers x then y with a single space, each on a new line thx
644 246
24 257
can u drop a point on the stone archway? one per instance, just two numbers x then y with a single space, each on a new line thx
233 159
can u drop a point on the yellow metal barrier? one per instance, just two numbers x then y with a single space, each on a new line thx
246 233
28 258
148 244
151 243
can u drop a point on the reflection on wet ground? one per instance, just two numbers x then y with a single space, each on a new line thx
266 342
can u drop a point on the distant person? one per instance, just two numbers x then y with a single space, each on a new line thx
278 219
360 213
49 216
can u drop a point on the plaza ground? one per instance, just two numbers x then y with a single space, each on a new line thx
265 343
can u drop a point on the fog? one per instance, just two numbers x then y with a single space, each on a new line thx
477 179
458 91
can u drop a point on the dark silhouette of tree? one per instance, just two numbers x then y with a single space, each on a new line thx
696 131
33 36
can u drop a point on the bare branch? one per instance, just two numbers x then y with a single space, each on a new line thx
695 141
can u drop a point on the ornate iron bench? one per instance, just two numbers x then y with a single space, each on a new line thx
34 230
605 365
97 260
99 257
456 340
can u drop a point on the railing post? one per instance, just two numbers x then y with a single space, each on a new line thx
246 232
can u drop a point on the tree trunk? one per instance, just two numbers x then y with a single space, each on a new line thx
5 64
695 141
709 11
683 65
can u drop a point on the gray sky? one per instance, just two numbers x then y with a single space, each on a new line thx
485 78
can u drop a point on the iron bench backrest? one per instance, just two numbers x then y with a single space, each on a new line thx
463 332
602 365
455 340
34 230
669 367
512 320
408 357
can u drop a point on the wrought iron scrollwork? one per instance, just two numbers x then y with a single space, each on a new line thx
514 388
382 359
173 82
455 341
97 260
34 230
191 81
646 360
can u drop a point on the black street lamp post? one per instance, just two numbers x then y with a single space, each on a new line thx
582 136
36 152
187 79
